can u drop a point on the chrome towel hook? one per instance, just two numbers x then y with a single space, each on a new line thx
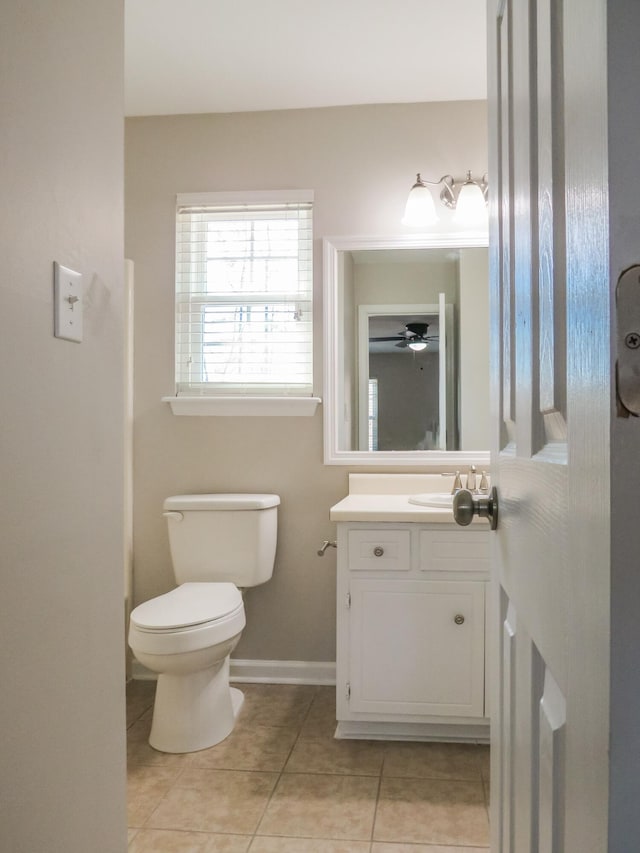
326 544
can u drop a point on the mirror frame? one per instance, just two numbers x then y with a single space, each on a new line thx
333 370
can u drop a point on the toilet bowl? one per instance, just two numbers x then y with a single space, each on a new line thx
219 543
186 636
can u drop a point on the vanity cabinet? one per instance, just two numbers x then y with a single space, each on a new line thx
411 620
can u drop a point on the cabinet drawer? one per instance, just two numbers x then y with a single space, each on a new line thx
379 550
455 551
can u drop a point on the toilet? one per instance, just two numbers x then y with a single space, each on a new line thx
220 544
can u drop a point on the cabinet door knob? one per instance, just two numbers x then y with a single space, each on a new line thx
378 551
459 619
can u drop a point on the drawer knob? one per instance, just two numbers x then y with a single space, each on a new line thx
459 619
378 551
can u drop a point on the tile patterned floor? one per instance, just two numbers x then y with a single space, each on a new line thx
280 783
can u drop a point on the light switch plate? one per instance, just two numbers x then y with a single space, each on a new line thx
67 289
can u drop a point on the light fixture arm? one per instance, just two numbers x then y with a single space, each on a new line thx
451 189
448 195
484 186
420 181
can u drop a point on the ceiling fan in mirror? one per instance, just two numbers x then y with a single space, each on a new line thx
414 336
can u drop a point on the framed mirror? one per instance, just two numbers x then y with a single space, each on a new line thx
406 351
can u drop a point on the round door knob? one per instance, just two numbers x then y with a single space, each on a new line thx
378 551
465 506
459 619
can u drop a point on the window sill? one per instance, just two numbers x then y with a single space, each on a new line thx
281 407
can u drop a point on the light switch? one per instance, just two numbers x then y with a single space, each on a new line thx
67 289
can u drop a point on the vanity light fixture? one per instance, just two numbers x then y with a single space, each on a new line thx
468 198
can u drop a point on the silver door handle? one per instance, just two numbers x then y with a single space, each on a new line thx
466 505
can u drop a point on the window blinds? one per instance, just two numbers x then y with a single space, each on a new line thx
244 289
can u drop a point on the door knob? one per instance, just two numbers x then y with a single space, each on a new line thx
466 505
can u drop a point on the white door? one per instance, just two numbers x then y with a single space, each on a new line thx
564 592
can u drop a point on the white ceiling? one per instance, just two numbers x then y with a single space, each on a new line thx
195 56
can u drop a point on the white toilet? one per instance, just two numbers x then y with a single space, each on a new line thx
219 544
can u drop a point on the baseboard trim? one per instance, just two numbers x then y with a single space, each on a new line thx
283 671
264 672
455 733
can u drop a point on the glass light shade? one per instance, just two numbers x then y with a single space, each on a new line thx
417 346
420 211
471 208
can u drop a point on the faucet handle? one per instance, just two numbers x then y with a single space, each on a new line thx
326 544
484 484
471 479
457 483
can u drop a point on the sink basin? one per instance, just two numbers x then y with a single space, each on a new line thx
442 500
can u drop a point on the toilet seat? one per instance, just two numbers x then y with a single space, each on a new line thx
192 616
187 605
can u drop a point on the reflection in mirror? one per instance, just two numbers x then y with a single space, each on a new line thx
406 352
401 357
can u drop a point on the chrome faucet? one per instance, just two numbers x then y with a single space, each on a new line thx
471 479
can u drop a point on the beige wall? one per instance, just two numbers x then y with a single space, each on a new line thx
473 340
61 457
361 162
407 283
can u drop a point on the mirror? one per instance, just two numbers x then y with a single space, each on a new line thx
406 344
405 375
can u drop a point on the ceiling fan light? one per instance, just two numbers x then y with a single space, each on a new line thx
417 346
420 211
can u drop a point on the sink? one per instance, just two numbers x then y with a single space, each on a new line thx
434 499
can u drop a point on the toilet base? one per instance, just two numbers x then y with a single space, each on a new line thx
194 711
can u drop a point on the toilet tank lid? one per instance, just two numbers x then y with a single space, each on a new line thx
234 501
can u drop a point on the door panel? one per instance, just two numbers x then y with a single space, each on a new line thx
550 235
550 408
550 742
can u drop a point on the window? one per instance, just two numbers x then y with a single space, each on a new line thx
244 289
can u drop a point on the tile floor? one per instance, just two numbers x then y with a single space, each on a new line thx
280 783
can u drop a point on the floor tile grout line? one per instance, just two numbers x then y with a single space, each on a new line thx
487 799
139 717
375 809
281 772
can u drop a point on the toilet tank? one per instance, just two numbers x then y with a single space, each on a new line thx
222 537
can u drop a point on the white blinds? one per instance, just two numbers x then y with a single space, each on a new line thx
244 289
373 414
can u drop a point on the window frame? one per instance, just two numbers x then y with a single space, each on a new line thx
240 399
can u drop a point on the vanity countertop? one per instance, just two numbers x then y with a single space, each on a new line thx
388 508
385 497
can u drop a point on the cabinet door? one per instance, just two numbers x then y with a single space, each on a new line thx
417 647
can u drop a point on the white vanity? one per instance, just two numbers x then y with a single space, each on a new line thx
411 584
